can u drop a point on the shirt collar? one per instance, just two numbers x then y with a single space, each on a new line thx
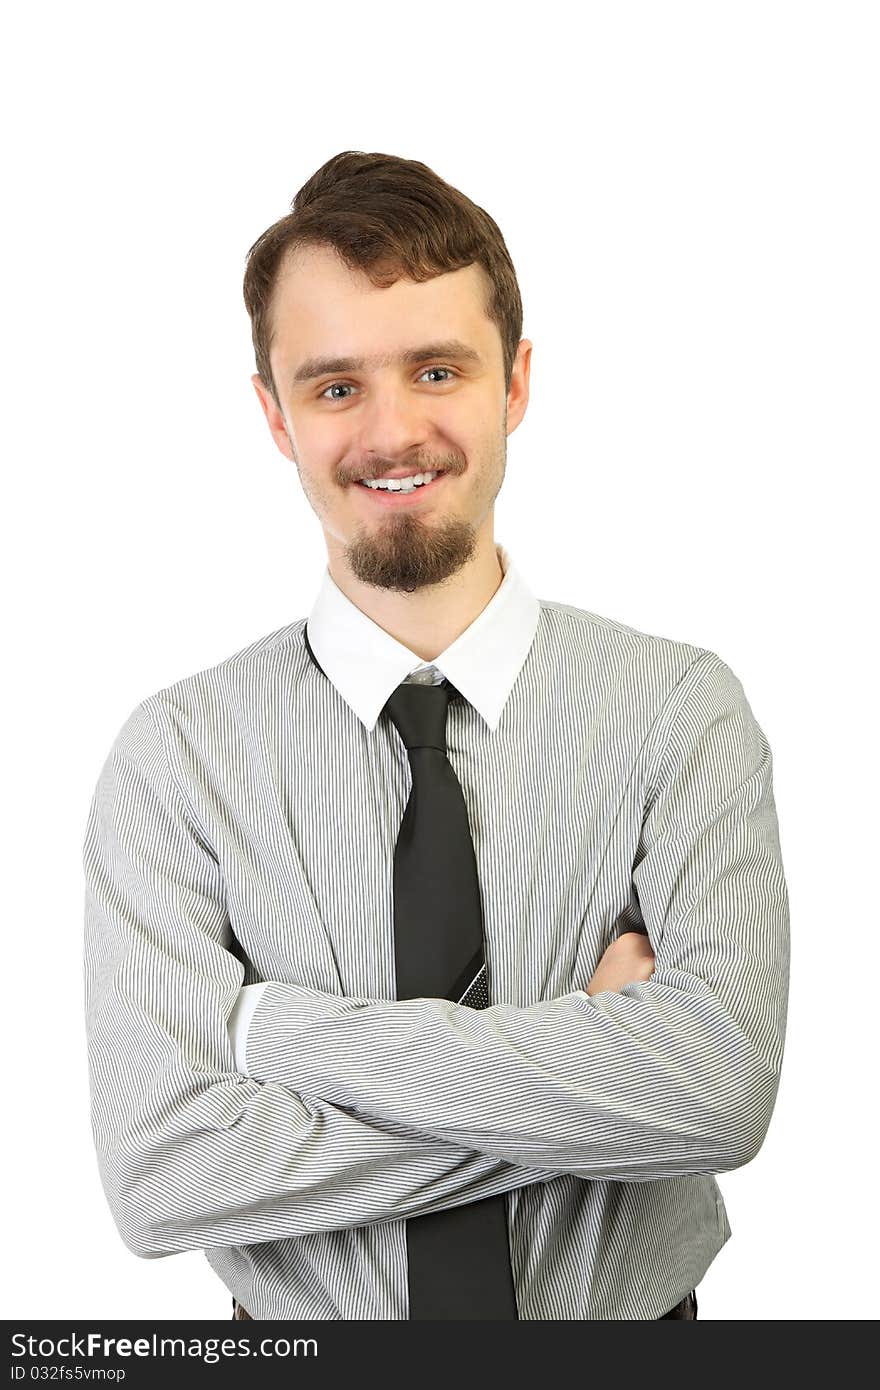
366 664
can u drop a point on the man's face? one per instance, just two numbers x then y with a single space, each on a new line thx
444 410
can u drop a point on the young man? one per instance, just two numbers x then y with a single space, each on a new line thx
437 944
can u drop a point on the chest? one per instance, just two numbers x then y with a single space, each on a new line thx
305 829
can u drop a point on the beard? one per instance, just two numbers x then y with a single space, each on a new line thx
409 554
403 553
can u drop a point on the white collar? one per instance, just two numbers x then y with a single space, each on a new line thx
366 664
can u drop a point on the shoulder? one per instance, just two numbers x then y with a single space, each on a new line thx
229 690
604 653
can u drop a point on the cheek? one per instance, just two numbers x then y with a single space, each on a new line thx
461 435
318 436
463 419
322 447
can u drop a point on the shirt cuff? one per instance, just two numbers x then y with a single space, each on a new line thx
240 1019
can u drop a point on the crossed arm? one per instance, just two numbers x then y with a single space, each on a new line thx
192 1154
360 1110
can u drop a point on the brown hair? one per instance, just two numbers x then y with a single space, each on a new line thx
387 217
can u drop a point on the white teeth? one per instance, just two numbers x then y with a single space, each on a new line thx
399 484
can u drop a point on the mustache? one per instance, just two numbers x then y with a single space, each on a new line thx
379 470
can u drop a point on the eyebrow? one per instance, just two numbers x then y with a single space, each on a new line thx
315 367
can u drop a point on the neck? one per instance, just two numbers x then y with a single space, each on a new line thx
429 620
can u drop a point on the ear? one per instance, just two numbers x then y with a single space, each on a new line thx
274 418
518 395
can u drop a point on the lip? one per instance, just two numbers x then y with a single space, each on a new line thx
383 498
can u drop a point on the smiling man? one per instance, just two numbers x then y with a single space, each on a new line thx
437 943
400 443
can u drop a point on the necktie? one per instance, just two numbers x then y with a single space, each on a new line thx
458 1259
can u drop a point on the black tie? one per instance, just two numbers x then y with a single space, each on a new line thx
459 1258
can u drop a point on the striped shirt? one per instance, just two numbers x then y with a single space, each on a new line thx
257 1090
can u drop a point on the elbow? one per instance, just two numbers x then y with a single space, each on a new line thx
147 1227
136 1234
740 1137
147 1240
142 1243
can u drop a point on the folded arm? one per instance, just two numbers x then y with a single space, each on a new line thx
191 1153
670 1076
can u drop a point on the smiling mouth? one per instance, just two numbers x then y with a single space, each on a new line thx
399 496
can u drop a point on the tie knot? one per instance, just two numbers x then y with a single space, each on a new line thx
418 712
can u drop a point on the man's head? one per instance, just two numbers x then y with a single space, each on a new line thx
386 323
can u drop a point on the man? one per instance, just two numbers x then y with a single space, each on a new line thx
272 857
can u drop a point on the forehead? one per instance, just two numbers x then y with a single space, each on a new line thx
321 305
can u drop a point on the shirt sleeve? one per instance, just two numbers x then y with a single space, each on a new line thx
192 1154
243 1011
672 1076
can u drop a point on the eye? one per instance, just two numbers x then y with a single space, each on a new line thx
346 386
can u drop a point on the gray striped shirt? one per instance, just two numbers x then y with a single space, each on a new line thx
242 832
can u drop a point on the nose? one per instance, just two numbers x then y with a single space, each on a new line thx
393 423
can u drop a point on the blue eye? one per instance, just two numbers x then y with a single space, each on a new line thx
347 385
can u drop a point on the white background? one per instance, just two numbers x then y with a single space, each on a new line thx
689 195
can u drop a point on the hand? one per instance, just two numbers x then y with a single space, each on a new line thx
629 958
